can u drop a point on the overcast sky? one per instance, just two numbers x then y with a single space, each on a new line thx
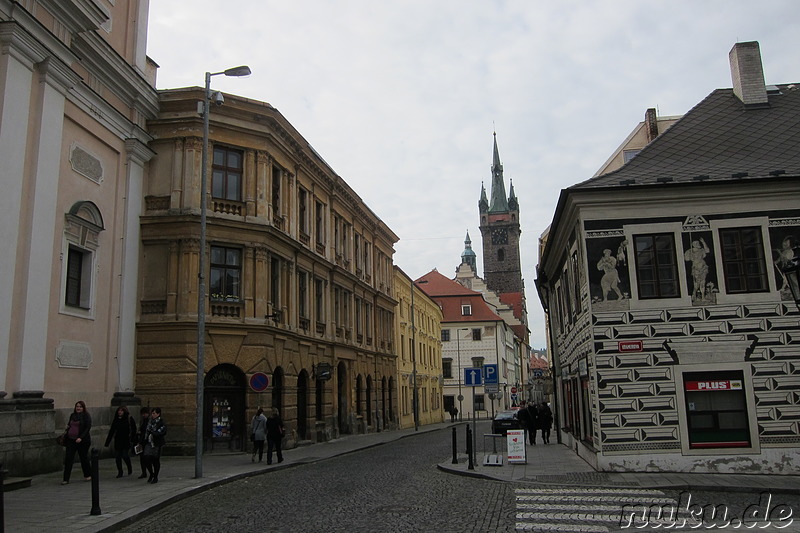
401 97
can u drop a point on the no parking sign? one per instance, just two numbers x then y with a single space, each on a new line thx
259 382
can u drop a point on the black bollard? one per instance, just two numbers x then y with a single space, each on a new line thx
455 447
2 504
95 482
467 437
470 465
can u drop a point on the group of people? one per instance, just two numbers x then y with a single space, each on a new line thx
534 417
270 429
146 440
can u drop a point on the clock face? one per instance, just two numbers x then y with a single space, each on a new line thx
499 236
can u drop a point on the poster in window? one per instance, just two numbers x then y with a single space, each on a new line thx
784 236
608 258
701 270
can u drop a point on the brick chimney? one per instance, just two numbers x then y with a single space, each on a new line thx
651 124
747 74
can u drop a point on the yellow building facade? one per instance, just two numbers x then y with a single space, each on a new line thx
419 354
300 303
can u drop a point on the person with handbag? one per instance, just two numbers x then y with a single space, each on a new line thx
78 439
275 432
123 431
144 419
258 433
154 441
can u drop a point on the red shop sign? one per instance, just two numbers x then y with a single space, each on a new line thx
714 385
630 346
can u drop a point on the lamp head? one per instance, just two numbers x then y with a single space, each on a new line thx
243 70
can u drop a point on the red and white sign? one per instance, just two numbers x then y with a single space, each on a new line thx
515 445
630 346
513 390
714 385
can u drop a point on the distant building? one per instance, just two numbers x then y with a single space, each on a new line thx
672 330
419 353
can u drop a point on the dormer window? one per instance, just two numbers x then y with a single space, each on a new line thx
466 310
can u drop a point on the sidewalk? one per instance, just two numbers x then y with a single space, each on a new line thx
48 506
555 464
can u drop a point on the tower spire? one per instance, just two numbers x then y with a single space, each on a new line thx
499 203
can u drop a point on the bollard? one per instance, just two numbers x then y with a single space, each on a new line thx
467 438
455 447
471 464
95 482
2 512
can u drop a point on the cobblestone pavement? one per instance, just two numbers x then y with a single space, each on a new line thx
388 488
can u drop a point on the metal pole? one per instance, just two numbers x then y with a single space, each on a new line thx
471 463
455 453
2 503
201 291
95 483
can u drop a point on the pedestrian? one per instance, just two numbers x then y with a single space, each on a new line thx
545 421
123 431
258 433
78 439
533 421
524 418
154 440
144 419
455 413
275 433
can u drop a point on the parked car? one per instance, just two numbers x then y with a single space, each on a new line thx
505 420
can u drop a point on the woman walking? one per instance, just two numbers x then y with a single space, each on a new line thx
275 433
144 419
258 429
154 440
123 431
78 440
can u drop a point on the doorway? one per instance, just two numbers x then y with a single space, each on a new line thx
224 399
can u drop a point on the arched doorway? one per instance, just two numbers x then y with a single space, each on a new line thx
277 390
341 396
302 405
383 402
369 401
359 396
224 399
391 399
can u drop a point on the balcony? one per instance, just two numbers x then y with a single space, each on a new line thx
320 328
226 309
227 207
153 307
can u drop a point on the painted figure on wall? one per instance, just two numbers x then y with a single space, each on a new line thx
786 255
609 279
697 256
701 273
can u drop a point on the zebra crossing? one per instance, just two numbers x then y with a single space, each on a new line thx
597 510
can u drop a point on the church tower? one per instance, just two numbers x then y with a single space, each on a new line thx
468 256
500 230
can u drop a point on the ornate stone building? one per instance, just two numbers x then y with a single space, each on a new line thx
672 327
300 281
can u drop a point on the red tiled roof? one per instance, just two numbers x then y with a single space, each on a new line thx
451 295
513 299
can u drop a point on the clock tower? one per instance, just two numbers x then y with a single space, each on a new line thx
500 229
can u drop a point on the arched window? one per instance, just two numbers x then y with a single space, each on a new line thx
501 255
82 229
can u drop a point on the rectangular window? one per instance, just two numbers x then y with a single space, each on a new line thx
319 222
447 368
477 362
302 294
716 410
656 268
302 215
275 283
226 179
466 310
479 403
445 335
77 286
476 334
226 273
319 299
743 260
277 175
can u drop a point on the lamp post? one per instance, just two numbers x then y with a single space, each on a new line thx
791 271
458 356
201 279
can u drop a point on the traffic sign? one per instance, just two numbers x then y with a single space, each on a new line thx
259 382
513 390
490 374
491 388
473 377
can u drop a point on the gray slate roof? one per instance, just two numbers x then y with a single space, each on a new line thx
719 139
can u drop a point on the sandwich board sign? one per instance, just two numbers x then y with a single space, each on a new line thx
515 446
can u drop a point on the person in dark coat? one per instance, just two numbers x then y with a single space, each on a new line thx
533 421
78 440
275 432
524 418
545 421
144 419
258 429
123 431
154 441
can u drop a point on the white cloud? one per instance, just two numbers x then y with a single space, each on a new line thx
401 97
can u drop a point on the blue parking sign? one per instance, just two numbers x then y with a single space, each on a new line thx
490 376
473 377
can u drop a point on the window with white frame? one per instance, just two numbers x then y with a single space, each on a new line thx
81 242
656 266
743 260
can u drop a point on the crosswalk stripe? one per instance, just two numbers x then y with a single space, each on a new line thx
580 499
561 528
568 491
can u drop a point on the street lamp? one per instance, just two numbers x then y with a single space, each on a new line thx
458 356
201 278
